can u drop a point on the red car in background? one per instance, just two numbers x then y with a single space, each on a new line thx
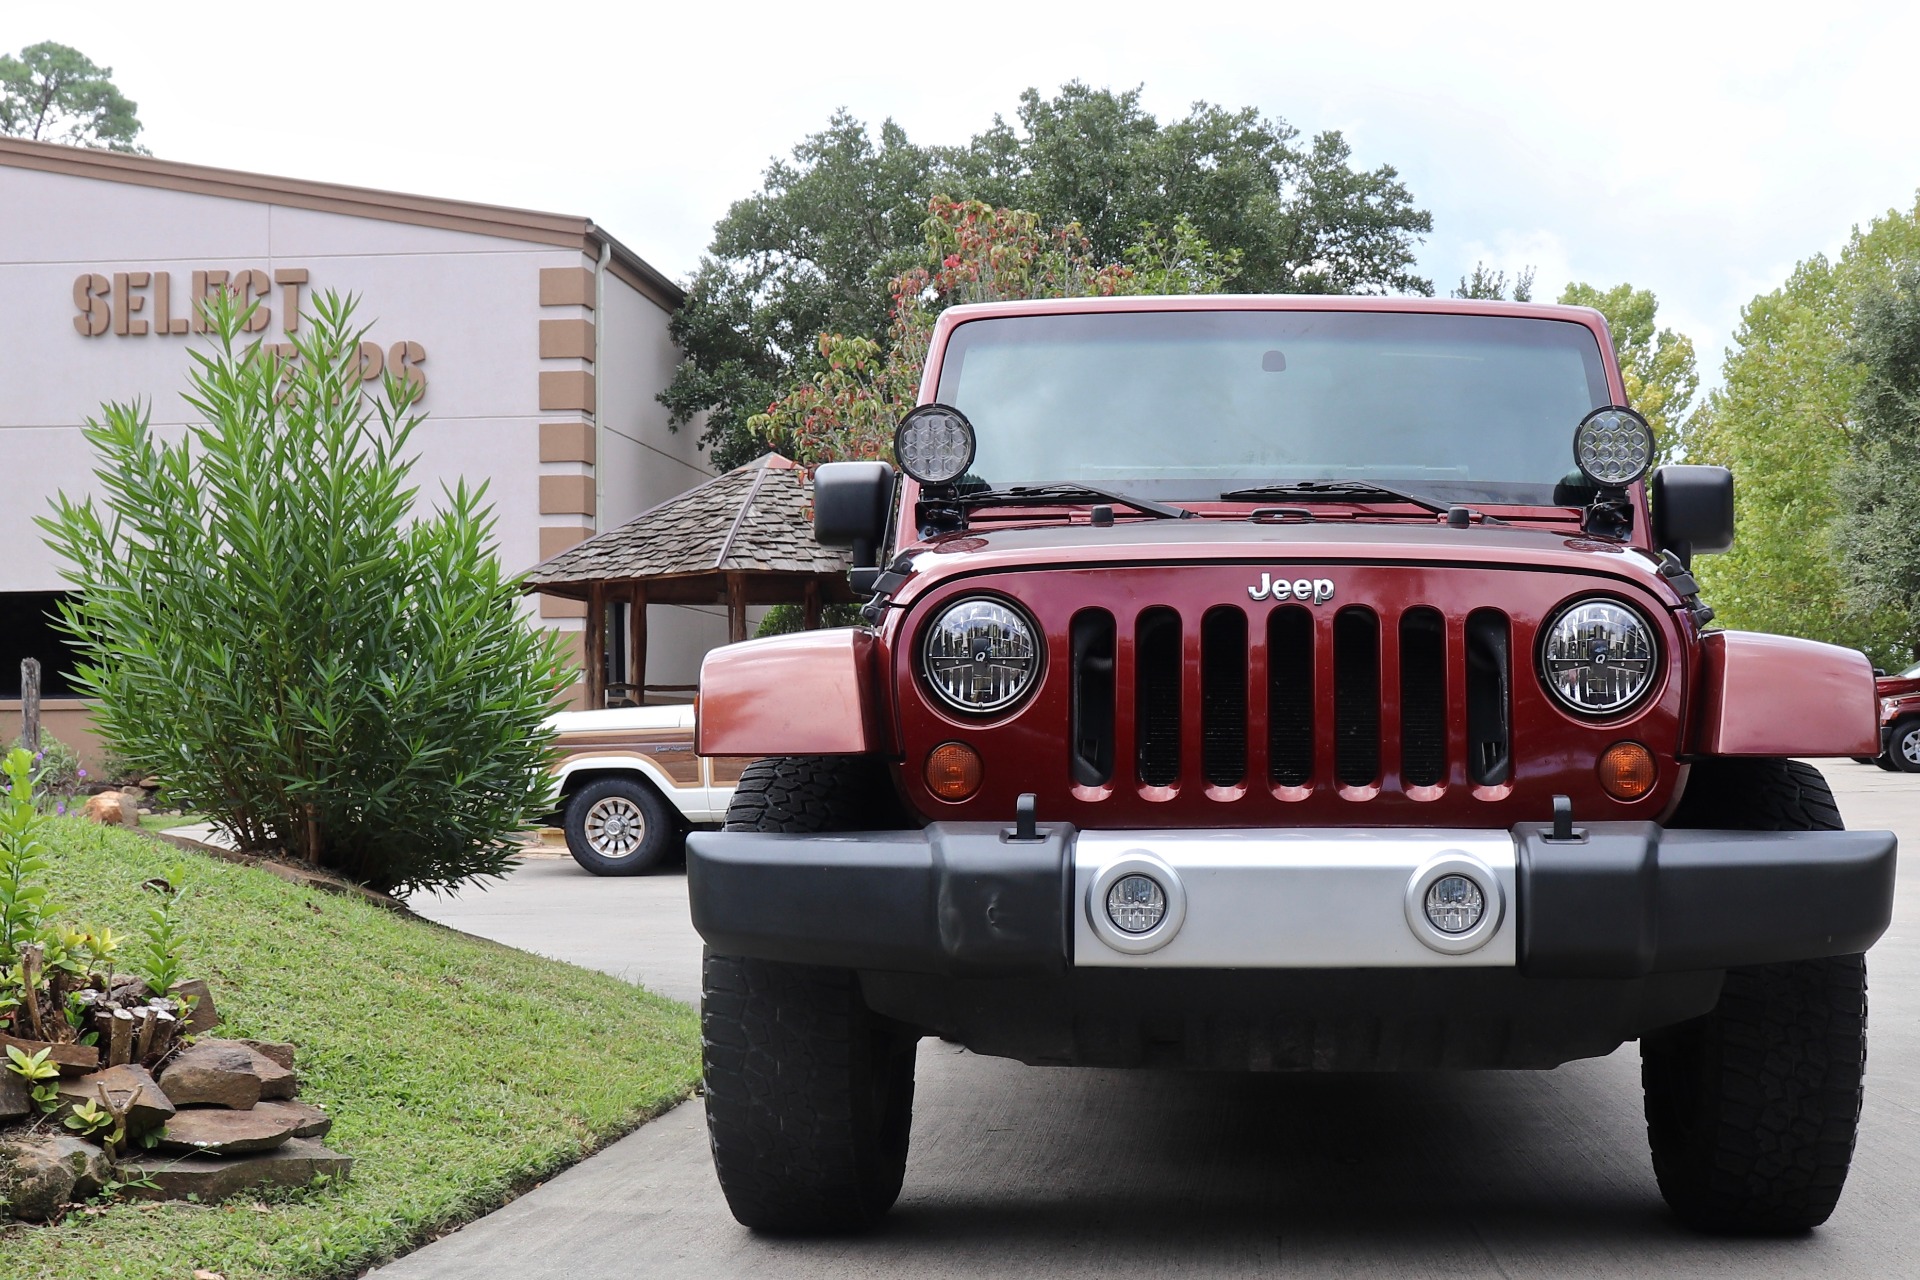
1899 720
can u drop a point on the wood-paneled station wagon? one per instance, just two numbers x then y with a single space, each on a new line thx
630 784
632 787
1283 684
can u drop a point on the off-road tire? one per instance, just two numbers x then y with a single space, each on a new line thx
1898 744
1886 762
1752 1110
809 1096
809 1092
661 832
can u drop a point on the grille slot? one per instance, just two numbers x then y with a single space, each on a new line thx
1423 698
1356 696
1223 696
1290 696
1489 697
1091 640
1157 697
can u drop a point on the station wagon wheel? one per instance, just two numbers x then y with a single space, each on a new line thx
1903 745
619 827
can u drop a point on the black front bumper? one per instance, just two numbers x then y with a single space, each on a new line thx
964 899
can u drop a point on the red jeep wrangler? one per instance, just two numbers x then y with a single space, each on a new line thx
1899 720
1304 684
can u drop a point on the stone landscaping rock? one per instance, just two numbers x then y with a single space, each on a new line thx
112 809
294 1164
278 1050
218 1073
275 1080
217 1131
36 1178
204 1017
15 1101
91 1168
309 1121
72 1059
150 1111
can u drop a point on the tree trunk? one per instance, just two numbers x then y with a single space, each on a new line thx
30 703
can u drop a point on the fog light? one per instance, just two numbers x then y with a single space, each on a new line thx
1136 904
1455 904
1627 771
953 771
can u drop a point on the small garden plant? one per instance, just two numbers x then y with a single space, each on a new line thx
58 985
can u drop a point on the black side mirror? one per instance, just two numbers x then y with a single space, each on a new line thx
852 506
1692 510
1879 671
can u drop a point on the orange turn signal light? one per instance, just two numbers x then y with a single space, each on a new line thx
953 771
1627 771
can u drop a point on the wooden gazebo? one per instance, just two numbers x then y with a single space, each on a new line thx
743 538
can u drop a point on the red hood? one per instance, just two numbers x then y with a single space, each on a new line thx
1132 542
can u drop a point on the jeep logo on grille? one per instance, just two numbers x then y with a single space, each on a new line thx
1314 590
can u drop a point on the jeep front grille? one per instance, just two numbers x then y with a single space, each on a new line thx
1327 695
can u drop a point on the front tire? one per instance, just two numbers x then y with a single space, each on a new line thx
619 827
1752 1110
1903 745
809 1092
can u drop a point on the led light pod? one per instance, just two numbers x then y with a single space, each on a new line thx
934 444
1613 447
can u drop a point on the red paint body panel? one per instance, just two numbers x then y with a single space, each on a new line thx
1763 695
1553 752
811 693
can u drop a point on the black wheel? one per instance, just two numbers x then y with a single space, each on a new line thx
619 827
1863 759
1886 762
809 1092
1903 745
1753 1109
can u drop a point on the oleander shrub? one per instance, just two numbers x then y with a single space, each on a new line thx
270 617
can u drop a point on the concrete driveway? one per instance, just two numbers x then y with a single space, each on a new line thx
1028 1171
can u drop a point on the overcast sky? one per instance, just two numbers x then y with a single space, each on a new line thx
1697 150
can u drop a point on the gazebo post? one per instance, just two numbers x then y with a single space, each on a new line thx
637 645
736 608
596 645
812 604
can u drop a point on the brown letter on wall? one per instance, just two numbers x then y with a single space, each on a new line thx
136 301
89 295
404 360
251 286
290 279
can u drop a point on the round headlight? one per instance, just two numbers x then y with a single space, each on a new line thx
1613 446
1598 657
934 444
980 655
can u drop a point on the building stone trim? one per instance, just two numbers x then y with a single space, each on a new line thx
566 340
567 495
566 287
568 442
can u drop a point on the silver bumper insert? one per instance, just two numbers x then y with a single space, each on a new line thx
1305 899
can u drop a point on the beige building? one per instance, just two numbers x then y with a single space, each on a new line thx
541 340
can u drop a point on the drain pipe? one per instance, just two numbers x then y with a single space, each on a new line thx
599 341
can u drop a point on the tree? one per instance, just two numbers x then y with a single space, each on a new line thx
1657 365
265 620
1878 532
1782 419
52 93
815 250
973 253
1492 285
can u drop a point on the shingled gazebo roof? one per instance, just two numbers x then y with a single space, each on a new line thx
754 521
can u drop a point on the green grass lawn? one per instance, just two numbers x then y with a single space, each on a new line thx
457 1070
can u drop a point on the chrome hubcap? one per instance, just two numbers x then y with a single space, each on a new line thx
615 827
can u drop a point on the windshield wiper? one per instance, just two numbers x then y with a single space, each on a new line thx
1330 489
1028 495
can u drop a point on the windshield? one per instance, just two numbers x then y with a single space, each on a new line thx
1189 404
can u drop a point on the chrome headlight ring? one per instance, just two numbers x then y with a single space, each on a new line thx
1598 657
981 654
